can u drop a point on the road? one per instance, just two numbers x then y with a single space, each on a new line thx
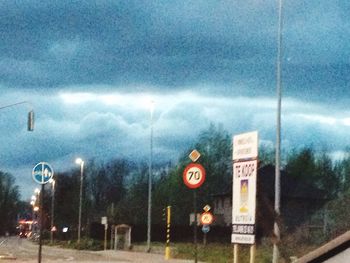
14 249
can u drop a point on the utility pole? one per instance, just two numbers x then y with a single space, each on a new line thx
276 228
149 210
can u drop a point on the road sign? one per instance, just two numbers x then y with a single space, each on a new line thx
194 155
244 202
104 222
192 218
194 175
206 208
245 146
42 173
207 218
205 229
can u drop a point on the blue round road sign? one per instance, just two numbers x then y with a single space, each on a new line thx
42 173
205 229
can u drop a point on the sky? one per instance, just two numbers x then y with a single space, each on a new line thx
89 69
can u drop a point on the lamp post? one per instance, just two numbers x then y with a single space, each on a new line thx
53 182
81 163
149 212
276 229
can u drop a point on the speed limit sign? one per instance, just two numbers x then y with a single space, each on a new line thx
207 218
194 175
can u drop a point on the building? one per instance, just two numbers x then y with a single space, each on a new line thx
301 204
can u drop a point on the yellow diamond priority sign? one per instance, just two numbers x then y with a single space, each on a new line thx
207 208
194 155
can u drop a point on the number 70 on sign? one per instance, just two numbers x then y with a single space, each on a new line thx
194 175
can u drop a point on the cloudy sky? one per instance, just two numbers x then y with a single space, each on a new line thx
89 69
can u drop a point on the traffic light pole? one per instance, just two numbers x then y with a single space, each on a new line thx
30 123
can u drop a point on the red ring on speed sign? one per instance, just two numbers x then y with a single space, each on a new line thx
194 175
206 218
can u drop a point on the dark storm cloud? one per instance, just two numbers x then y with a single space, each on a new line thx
175 44
114 125
166 44
87 66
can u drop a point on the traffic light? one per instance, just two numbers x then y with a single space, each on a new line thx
30 126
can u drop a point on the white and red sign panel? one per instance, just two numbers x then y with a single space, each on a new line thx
194 175
207 218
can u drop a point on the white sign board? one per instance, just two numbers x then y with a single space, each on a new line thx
245 146
198 219
244 202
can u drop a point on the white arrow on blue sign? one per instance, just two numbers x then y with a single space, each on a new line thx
205 229
42 173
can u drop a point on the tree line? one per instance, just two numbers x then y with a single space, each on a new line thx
118 188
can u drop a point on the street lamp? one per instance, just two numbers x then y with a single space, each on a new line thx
81 163
149 217
276 229
53 182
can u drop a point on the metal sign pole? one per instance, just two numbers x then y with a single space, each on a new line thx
42 173
194 177
252 253
41 221
235 253
111 245
276 230
195 225
105 239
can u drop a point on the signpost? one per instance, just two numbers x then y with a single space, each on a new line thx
207 218
104 222
194 177
42 173
194 155
245 155
245 146
206 208
244 202
205 229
